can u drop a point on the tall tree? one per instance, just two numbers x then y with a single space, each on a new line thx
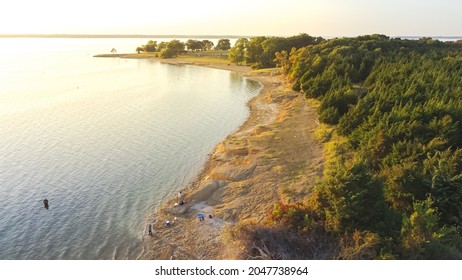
237 52
207 45
223 45
151 46
194 45
172 49
254 51
282 61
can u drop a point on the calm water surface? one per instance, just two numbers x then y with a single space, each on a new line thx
105 140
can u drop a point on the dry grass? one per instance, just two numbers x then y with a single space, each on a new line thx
278 243
267 71
323 132
203 60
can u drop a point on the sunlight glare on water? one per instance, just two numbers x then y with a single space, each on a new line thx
104 139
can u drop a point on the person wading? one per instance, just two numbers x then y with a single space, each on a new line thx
45 203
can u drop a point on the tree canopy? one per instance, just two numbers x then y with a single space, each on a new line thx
396 177
223 45
172 49
175 47
151 46
237 52
260 52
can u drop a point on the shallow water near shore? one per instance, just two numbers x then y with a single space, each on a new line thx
104 139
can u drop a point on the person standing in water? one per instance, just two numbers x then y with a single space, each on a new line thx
45 203
149 229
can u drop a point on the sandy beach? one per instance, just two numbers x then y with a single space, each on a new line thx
272 157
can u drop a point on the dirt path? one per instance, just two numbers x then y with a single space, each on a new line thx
273 157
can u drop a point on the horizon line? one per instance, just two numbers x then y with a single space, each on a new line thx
83 35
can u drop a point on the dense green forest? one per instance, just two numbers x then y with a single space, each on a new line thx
390 113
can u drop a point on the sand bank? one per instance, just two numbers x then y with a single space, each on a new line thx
272 157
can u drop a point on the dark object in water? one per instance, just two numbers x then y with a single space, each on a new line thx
45 203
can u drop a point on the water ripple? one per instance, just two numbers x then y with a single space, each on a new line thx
107 154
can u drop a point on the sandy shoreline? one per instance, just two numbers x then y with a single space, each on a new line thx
272 157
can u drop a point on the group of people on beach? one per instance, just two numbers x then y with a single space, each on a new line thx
201 217
180 202
168 223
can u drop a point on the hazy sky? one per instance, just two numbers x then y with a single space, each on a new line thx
233 17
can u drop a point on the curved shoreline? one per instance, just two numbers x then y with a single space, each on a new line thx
243 177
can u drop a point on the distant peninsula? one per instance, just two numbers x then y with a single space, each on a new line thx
116 36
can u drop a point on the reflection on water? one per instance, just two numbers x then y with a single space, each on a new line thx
104 141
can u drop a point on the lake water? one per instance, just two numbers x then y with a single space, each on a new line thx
104 139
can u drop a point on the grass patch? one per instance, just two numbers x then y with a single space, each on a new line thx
265 134
202 57
266 71
220 57
277 169
212 54
140 55
241 185
323 133
203 60
289 191
269 156
298 169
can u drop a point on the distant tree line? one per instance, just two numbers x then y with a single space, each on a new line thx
259 52
174 48
392 187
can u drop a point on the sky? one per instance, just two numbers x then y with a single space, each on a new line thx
233 17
